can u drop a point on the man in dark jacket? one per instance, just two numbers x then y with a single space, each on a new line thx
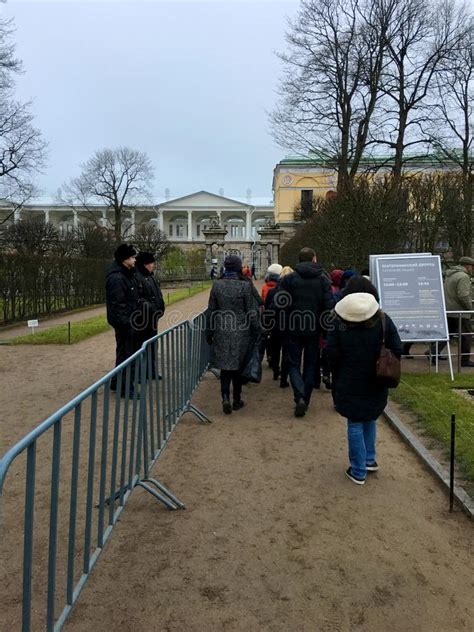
152 305
121 289
305 295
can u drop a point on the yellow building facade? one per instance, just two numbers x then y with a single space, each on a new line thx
296 182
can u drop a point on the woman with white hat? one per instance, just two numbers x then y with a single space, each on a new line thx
354 345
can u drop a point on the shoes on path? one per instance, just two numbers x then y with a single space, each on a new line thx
300 408
238 404
372 467
226 406
354 479
284 384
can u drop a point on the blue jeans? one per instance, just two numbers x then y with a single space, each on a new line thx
361 437
308 348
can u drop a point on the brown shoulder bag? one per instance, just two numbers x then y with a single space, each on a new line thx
388 366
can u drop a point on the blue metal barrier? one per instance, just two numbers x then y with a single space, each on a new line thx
100 446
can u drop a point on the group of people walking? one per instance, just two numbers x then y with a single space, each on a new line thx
308 322
134 305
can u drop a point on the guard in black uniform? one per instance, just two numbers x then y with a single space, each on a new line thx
151 303
122 297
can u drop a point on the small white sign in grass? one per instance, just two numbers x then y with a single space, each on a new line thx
32 324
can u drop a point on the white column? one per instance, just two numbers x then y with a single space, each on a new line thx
76 219
190 225
161 220
103 219
46 217
132 227
17 215
248 231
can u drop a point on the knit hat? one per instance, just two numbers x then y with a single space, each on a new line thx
357 307
347 274
336 276
468 261
145 257
125 251
233 263
275 268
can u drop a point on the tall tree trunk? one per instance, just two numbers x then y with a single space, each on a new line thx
118 224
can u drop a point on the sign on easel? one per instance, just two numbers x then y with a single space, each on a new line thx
32 324
412 293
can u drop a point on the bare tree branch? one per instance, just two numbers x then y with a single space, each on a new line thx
117 179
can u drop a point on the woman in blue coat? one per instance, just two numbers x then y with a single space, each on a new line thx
354 345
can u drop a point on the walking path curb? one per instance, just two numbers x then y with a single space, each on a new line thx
440 472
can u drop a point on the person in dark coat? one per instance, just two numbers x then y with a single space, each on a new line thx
276 341
306 292
343 281
152 303
122 298
353 348
231 327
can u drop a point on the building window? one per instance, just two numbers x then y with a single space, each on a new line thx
178 227
235 227
257 225
307 200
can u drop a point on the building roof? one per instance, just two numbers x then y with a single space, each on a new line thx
318 160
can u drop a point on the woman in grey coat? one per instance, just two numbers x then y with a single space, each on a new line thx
231 327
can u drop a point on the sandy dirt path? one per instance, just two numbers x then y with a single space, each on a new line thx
275 538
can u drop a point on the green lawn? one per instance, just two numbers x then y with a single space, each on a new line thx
433 399
82 329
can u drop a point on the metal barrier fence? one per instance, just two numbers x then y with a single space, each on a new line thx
79 466
459 325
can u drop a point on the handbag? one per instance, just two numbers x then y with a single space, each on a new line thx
252 367
388 366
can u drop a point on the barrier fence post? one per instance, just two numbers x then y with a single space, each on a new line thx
451 462
459 342
69 332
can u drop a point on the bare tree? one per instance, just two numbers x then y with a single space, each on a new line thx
93 241
331 81
450 126
30 237
421 36
119 179
22 148
151 239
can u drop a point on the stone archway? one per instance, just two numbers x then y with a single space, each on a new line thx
233 251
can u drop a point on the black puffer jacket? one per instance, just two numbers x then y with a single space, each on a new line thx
121 289
152 302
353 350
308 296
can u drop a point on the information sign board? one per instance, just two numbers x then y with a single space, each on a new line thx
411 292
373 259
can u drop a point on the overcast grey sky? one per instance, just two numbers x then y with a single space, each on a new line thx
186 82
